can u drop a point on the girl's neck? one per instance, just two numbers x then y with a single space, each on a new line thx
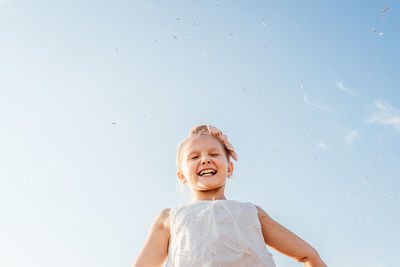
216 194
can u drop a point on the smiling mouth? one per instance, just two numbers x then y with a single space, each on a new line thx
207 172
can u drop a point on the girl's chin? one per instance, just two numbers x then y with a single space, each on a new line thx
209 183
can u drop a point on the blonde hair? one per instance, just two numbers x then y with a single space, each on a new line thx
194 132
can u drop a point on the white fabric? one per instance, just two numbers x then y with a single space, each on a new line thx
218 233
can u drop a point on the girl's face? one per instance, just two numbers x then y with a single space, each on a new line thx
204 165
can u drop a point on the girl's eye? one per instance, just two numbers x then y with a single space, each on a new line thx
214 154
194 157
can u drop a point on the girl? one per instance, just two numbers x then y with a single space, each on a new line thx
211 230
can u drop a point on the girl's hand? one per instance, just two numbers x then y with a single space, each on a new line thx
155 250
286 242
316 261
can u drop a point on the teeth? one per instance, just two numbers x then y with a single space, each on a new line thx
207 171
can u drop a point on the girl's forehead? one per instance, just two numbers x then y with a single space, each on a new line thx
202 142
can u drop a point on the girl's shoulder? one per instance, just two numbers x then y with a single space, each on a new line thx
162 220
261 213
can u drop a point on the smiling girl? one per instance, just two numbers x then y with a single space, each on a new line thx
211 230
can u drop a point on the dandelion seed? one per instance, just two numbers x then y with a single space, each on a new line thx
217 6
381 33
264 24
193 23
265 46
204 54
231 34
302 87
176 38
177 18
345 153
113 123
244 90
385 9
373 29
354 195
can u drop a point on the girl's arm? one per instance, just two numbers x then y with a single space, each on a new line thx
155 249
286 242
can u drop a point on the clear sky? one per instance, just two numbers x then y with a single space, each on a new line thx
95 96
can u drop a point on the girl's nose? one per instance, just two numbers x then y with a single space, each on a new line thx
203 161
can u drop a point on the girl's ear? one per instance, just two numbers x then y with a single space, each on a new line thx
181 177
230 169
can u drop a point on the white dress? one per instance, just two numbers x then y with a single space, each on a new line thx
217 233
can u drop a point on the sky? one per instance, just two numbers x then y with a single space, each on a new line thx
95 97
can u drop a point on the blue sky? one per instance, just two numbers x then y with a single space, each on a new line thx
95 96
